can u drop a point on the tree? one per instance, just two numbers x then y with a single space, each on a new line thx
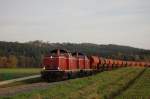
12 61
21 61
0 62
3 61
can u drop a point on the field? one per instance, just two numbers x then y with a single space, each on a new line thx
140 89
11 73
109 84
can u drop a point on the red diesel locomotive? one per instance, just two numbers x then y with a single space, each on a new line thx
61 64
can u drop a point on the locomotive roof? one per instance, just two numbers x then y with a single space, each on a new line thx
61 50
79 53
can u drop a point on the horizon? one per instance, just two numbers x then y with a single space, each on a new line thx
119 22
73 43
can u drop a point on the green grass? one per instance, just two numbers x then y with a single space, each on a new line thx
140 89
11 73
100 86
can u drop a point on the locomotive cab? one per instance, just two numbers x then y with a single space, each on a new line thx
57 60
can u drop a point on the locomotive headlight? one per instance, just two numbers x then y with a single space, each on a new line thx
44 67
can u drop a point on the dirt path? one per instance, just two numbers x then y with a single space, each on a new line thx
18 79
9 91
22 88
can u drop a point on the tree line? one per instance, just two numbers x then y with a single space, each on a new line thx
30 54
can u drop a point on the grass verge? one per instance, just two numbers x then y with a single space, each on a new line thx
11 73
140 89
100 86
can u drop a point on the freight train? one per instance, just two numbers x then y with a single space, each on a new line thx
62 64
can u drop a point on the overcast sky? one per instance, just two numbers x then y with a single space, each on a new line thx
124 22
